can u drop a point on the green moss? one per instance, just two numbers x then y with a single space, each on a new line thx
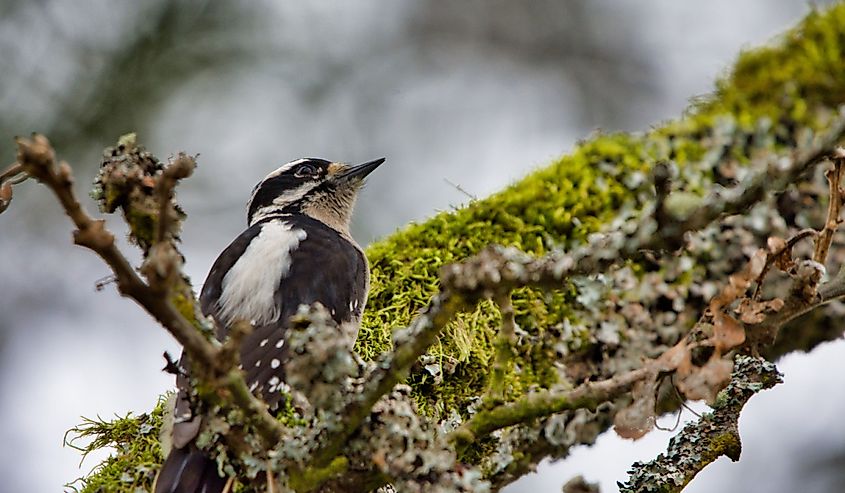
772 93
551 208
727 444
137 454
143 226
308 480
795 83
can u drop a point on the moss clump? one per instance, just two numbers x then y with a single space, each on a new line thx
790 81
137 456
552 208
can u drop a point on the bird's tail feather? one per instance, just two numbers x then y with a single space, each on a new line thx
188 470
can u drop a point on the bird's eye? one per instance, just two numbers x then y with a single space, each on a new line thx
305 170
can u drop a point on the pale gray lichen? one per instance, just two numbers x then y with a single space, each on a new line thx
405 447
701 442
322 360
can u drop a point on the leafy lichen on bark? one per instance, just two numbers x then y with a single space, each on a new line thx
773 95
715 434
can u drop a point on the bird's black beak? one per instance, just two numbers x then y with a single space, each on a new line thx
359 171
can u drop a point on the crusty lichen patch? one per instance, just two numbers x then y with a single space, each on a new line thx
714 434
773 96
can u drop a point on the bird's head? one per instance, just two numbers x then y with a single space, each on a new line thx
321 189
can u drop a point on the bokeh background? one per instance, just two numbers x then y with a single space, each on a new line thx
461 97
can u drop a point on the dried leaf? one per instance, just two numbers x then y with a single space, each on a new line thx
753 312
755 265
727 333
775 244
775 305
706 382
783 256
678 357
738 283
638 418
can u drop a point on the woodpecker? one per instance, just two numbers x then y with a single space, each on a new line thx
296 250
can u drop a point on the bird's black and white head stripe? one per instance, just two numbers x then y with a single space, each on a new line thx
316 187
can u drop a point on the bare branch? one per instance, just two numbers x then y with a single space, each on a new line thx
12 175
834 178
180 168
778 254
38 159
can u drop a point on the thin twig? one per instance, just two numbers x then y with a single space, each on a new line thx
713 435
771 257
461 189
178 169
834 178
12 175
11 172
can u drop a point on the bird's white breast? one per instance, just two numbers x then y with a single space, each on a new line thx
249 287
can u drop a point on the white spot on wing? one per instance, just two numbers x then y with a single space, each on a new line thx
274 383
275 363
263 343
249 287
280 343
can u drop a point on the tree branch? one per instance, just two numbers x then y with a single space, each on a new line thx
834 178
774 177
540 404
713 435
390 370
37 158
503 345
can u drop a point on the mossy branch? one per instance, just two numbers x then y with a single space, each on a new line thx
588 395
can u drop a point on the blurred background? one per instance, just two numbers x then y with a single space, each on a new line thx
468 95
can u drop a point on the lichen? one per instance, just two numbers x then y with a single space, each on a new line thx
770 101
701 442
